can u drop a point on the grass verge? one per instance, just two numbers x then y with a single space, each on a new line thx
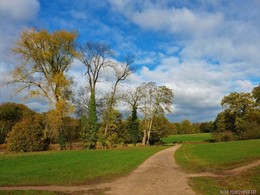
216 157
246 183
199 137
71 167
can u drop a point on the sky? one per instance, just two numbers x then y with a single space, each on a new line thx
202 50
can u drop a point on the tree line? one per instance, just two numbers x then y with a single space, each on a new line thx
45 59
22 129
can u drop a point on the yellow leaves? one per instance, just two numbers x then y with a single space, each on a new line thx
34 93
60 79
46 56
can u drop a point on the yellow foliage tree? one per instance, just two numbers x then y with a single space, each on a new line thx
45 59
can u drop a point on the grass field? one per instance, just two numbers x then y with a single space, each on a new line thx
71 167
215 157
199 137
248 181
29 192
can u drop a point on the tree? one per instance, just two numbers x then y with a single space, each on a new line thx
95 56
186 127
206 127
251 126
160 129
46 57
133 98
121 72
237 106
156 100
10 114
256 94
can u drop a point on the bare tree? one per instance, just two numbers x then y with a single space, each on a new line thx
95 56
121 72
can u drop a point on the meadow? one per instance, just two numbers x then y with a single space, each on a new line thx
71 167
216 158
199 137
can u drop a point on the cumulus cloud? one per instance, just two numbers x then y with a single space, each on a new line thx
214 50
19 10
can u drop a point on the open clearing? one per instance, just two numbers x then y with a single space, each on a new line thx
222 166
208 168
157 175
199 137
71 167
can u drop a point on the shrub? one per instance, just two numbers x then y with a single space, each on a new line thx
27 135
224 136
252 126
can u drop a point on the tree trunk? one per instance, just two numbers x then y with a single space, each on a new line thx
149 130
144 137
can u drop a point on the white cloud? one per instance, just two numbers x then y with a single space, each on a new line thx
19 10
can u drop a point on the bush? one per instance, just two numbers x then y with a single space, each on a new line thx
252 126
224 136
27 135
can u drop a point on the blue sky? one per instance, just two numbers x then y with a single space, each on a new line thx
202 49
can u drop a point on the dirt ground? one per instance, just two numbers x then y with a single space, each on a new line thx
157 175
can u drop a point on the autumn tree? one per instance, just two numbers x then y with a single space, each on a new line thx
256 94
236 108
27 135
156 100
45 59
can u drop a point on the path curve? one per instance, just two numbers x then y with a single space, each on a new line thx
157 175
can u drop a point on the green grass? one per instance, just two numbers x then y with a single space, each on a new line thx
199 137
71 167
216 157
29 192
247 181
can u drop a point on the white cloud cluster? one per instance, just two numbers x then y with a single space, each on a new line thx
219 50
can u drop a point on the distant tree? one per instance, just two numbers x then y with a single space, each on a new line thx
160 129
256 94
11 113
46 57
172 128
207 127
237 106
95 56
133 98
252 126
156 100
186 127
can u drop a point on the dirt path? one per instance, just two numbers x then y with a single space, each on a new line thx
157 175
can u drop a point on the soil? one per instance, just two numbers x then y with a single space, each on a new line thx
157 175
